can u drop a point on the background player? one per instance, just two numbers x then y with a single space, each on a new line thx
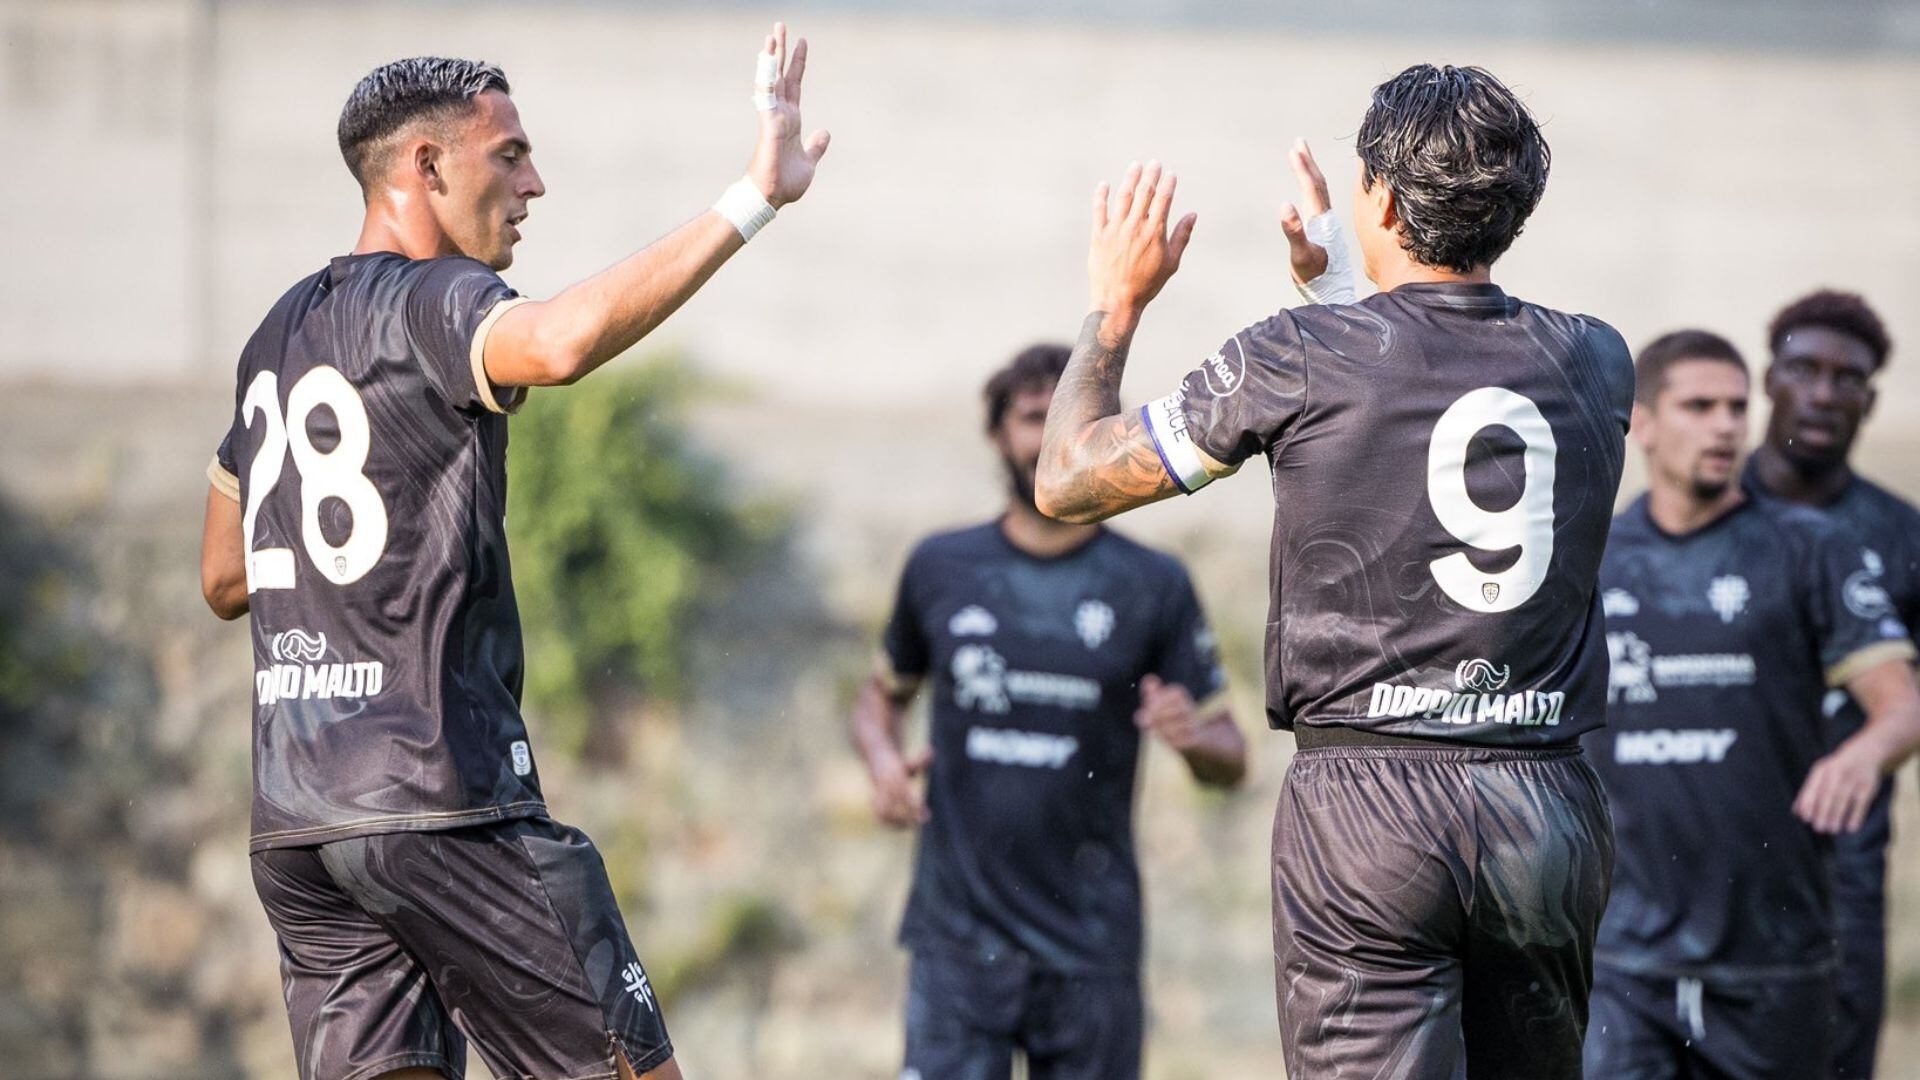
1827 348
401 844
1727 621
1444 460
1050 648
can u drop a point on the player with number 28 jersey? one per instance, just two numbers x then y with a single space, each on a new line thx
368 451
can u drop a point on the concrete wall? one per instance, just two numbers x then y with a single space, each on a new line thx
157 202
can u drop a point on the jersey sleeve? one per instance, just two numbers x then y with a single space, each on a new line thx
905 652
1186 651
449 312
1236 403
222 472
1854 622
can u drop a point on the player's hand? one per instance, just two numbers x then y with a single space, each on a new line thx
897 799
1841 787
1166 710
1133 253
1309 259
782 166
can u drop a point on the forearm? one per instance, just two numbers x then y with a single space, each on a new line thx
875 724
223 567
1219 757
585 325
1893 732
1095 462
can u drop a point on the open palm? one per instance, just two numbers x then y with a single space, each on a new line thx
782 166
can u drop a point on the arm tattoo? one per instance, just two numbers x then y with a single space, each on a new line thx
1096 461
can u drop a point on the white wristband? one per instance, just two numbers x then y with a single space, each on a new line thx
1335 283
744 206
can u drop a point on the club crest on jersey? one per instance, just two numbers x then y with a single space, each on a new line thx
1619 603
972 621
300 675
1728 596
1490 592
1093 621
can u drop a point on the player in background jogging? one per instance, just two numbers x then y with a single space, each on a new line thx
1045 650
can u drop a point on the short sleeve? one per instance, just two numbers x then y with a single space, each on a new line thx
222 472
450 310
1236 403
1854 622
1187 652
905 652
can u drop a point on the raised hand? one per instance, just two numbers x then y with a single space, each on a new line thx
1309 259
782 166
1133 254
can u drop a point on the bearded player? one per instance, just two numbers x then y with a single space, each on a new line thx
1827 349
1444 458
401 845
1047 649
1728 619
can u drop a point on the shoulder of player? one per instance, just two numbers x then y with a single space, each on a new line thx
1802 528
965 541
446 268
1885 502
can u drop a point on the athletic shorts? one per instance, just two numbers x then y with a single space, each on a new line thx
1648 1027
394 947
1436 906
1860 923
966 1018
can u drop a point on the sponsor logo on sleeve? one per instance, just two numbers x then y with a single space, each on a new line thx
1225 377
635 980
1863 592
522 757
299 672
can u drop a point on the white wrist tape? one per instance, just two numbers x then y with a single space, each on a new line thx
744 206
765 72
1335 283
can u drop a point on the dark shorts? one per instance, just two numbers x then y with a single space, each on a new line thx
1648 1027
966 1018
1436 906
394 947
1860 923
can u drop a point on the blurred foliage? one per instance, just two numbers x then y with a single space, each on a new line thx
745 933
621 533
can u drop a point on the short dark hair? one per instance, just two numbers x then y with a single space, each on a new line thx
394 95
1845 312
1035 367
1464 159
1650 367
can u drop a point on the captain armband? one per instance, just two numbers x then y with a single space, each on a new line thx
1166 424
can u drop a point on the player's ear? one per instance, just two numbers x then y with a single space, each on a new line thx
1640 425
1386 213
424 157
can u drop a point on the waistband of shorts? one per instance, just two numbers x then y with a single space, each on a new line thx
1339 738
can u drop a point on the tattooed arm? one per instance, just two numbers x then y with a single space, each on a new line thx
1096 461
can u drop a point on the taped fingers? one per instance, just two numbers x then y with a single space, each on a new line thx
766 74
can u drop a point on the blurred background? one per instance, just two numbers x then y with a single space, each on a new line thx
769 456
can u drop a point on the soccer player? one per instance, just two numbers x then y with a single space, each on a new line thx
1728 618
1827 349
401 843
1444 458
1048 648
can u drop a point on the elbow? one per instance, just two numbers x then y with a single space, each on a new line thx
1053 496
226 597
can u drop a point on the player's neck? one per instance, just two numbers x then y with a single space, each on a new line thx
1407 272
1679 512
402 229
1813 483
1041 536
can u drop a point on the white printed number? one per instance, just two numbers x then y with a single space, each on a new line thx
337 474
1527 524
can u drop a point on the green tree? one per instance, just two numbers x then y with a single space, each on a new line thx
620 531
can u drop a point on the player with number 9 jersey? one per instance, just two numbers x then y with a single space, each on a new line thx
368 453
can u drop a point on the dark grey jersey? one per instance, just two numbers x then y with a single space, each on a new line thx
1723 642
1033 668
1444 462
368 453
